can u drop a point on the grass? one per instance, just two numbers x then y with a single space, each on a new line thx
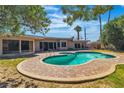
102 50
11 62
117 78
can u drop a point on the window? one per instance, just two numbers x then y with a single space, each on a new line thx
25 45
50 45
41 45
63 44
46 45
54 45
82 45
10 46
58 44
76 46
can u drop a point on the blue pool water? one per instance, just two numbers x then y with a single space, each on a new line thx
75 59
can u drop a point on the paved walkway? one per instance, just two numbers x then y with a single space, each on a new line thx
35 68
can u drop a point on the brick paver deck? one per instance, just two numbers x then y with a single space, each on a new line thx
35 68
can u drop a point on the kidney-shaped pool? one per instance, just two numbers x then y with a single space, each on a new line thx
75 58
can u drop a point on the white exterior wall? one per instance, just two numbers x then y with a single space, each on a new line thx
1 50
37 45
70 44
63 48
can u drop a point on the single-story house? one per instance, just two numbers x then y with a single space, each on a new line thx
13 45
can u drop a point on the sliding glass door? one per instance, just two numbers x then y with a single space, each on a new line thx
47 46
26 46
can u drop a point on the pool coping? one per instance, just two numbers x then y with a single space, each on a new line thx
77 79
72 80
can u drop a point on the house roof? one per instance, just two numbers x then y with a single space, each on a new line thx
81 40
44 37
38 37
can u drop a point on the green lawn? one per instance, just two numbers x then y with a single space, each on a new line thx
114 80
11 62
117 78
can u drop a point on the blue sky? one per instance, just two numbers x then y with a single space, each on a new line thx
60 29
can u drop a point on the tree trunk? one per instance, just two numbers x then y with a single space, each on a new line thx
85 37
109 16
100 22
78 35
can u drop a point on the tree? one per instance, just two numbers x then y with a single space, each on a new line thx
85 37
98 10
86 13
109 8
77 12
114 37
17 20
78 29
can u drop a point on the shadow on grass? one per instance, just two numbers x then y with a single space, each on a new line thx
18 56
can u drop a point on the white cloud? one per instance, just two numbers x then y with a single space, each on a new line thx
88 23
50 8
58 25
57 21
58 16
60 32
122 5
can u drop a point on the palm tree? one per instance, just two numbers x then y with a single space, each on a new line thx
98 10
78 29
85 37
109 8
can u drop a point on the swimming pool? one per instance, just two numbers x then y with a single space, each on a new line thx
75 58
